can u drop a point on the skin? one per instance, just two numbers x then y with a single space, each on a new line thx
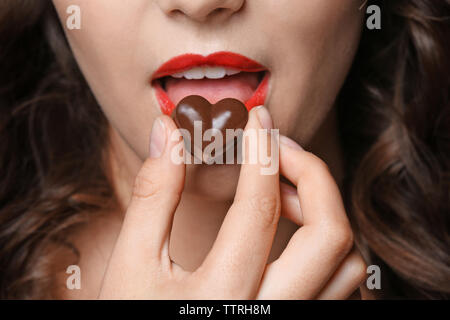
227 239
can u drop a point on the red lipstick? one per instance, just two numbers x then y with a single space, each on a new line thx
222 59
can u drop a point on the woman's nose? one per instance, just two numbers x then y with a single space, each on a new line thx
201 10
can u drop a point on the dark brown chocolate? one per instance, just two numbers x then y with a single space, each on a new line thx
226 114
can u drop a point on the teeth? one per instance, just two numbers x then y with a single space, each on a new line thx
215 72
232 72
198 73
194 74
178 75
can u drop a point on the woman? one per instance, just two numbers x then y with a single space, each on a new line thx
79 184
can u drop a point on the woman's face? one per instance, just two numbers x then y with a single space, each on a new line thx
306 48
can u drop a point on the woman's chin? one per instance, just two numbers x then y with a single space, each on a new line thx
214 182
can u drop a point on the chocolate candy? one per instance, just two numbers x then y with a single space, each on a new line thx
196 115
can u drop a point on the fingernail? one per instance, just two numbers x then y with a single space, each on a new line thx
264 117
288 142
157 139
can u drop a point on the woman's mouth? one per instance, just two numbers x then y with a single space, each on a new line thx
215 77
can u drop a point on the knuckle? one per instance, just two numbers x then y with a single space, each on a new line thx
358 267
145 187
344 240
150 184
316 164
339 236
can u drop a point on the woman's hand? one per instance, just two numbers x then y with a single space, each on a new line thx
317 263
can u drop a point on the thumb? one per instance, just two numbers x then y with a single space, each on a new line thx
156 194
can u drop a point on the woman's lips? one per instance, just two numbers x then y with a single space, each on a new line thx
225 59
249 85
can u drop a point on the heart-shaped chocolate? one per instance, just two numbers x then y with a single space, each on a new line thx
196 115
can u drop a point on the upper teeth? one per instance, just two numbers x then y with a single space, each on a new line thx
198 73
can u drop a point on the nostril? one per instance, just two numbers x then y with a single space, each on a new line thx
201 10
179 12
176 13
218 11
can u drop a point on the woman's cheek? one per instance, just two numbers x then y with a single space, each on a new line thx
313 45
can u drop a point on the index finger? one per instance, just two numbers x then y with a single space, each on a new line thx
241 250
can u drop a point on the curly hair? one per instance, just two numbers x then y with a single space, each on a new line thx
53 152
394 117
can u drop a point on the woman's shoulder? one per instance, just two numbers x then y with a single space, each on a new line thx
94 243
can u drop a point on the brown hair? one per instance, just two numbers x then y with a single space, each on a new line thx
394 114
54 173
394 118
